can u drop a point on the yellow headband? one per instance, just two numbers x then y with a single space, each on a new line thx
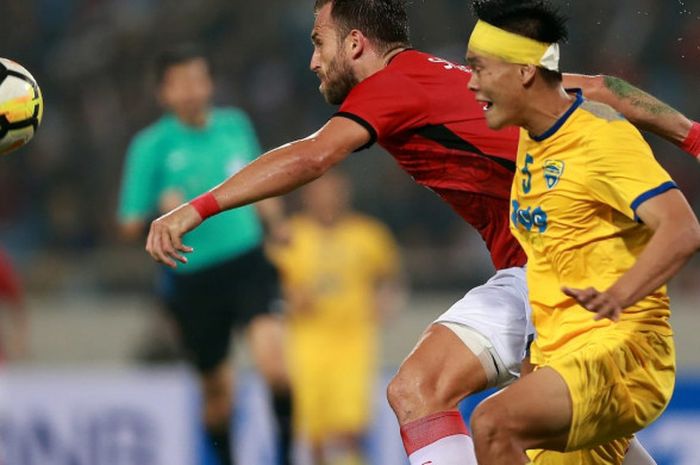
513 48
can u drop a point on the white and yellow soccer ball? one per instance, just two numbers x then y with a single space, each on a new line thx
21 106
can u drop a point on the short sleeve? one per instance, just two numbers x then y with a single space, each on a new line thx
385 104
138 197
622 171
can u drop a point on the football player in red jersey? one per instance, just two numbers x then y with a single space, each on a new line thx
419 108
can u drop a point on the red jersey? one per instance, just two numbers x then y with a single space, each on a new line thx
420 109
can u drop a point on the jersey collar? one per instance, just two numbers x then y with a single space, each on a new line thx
560 122
407 49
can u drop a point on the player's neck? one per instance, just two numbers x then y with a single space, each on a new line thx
196 120
547 106
391 53
377 63
328 220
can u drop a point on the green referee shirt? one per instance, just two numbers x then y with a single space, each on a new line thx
170 156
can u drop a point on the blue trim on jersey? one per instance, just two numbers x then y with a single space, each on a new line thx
560 122
665 187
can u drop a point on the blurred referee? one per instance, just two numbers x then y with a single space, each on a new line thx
229 283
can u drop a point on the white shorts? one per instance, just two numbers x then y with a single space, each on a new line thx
500 312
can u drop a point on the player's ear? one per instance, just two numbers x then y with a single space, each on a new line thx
356 43
527 74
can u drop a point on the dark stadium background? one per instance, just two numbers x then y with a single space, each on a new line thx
90 295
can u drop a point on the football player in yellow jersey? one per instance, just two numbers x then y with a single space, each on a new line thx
340 273
604 228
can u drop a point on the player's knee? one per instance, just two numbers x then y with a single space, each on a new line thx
413 394
395 394
404 395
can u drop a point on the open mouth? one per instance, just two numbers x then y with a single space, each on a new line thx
486 105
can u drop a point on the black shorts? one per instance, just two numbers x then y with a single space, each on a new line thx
208 304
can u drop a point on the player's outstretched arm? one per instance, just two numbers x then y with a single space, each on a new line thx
676 238
275 173
640 108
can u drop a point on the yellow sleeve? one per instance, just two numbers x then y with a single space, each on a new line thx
622 171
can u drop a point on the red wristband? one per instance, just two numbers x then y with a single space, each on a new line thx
691 144
206 205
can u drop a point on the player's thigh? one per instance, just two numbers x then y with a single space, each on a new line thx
256 303
535 411
499 311
619 382
441 365
257 287
204 327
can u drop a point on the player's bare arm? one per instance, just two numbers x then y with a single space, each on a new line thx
642 109
277 172
676 238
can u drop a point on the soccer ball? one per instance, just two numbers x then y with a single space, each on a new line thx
21 106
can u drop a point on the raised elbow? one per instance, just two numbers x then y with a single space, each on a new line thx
320 162
322 157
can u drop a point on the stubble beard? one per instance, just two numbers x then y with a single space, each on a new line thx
340 80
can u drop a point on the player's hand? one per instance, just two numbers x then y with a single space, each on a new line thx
164 241
603 304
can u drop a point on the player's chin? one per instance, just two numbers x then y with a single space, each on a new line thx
497 120
493 121
334 98
327 96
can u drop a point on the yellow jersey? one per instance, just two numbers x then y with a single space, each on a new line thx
573 203
331 274
338 268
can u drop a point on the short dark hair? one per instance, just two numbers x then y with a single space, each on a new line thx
536 19
383 21
176 55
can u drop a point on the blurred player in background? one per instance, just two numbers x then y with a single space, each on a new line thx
597 214
15 336
419 108
340 273
230 283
